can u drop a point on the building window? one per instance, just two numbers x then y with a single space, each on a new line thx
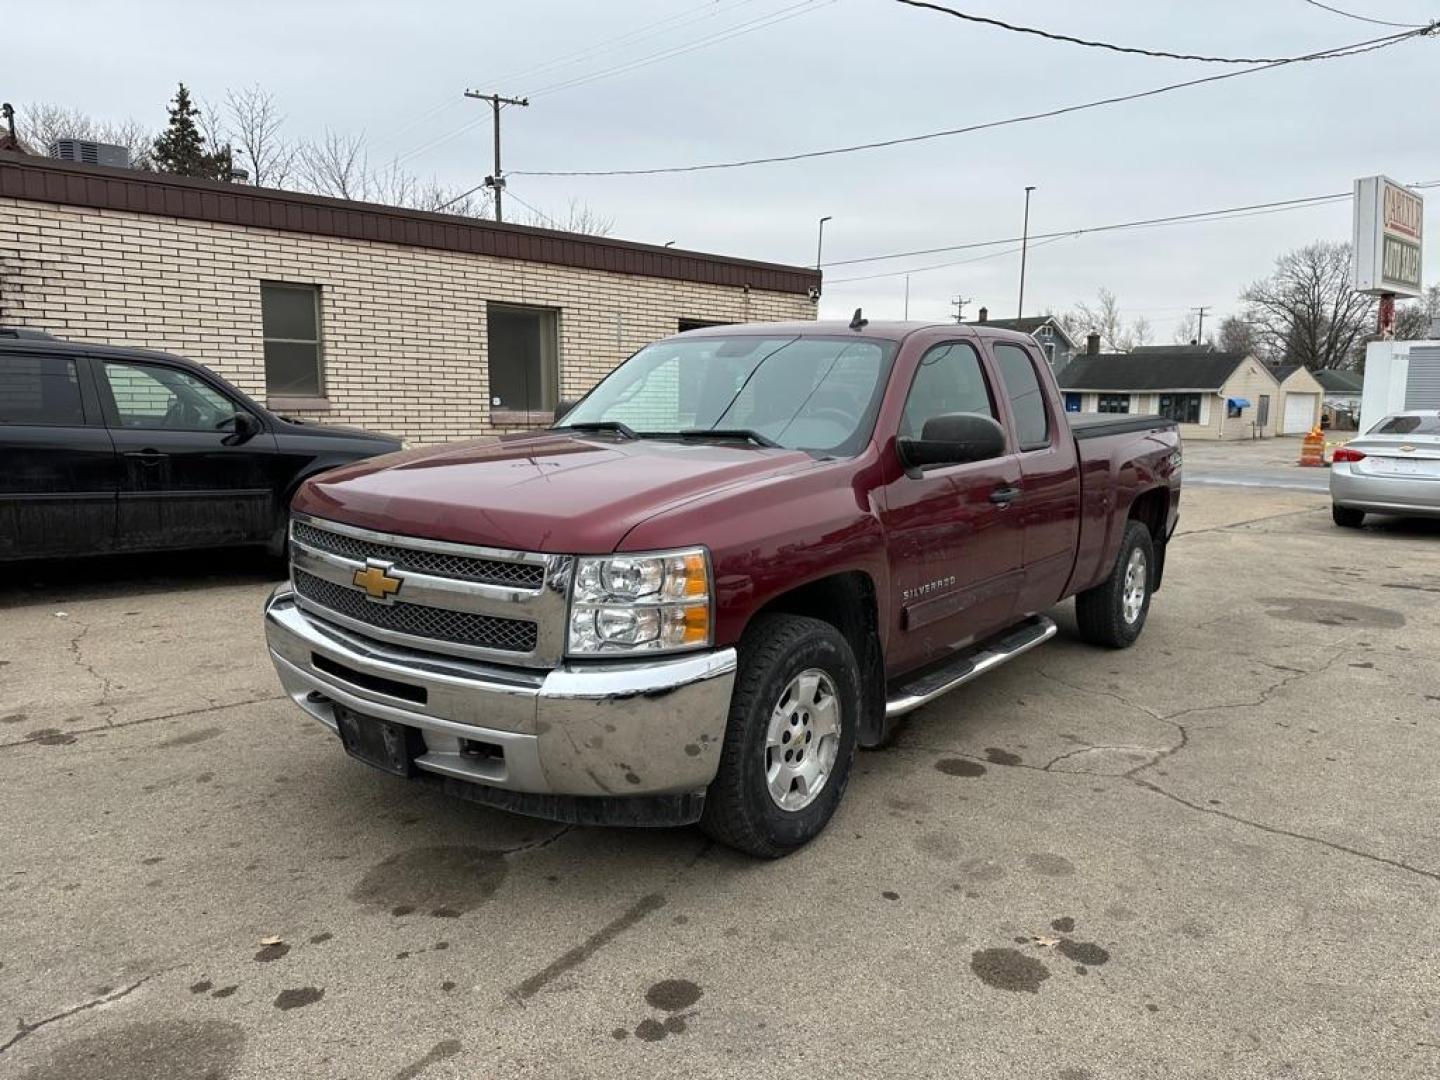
39 390
524 358
291 317
1072 402
1114 403
1233 409
1182 408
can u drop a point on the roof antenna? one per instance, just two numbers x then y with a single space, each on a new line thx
858 320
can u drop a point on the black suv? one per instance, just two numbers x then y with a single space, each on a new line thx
106 449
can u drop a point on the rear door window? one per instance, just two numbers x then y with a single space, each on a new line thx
40 390
1027 399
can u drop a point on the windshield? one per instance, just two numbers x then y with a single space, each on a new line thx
803 393
1412 424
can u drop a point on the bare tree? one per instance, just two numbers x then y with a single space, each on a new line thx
578 217
1187 331
1414 320
336 166
40 124
1236 336
255 123
1308 312
1105 318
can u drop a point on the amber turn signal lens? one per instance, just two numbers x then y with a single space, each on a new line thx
697 625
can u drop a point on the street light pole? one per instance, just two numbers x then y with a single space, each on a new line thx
820 241
907 296
1024 245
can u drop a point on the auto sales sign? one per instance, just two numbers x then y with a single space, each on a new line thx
1389 222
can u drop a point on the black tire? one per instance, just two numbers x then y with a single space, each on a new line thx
739 810
1346 517
1100 612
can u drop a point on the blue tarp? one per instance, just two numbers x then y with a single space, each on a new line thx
1238 402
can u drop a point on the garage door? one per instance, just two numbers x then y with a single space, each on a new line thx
1299 414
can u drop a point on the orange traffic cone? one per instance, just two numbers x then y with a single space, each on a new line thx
1312 450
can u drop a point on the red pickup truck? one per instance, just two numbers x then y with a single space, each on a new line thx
747 551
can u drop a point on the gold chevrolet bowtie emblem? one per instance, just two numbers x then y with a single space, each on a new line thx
375 579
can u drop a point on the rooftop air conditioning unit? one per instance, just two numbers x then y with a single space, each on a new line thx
90 153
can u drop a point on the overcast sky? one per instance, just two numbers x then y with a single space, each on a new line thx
825 73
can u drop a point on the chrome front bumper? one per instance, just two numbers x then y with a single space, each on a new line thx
603 729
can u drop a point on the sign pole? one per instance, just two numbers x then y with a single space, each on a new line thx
1387 317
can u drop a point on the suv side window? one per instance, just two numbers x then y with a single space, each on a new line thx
42 390
949 379
1027 400
151 397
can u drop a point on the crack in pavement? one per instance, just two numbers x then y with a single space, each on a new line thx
1275 830
25 1030
536 845
153 719
1250 521
89 669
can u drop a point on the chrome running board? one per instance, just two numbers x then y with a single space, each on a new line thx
990 654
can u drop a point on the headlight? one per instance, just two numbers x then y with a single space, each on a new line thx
641 603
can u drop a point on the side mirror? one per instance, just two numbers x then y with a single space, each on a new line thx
240 427
562 408
952 439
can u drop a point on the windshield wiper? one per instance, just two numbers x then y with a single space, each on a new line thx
729 433
602 425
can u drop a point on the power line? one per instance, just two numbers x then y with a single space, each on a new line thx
1052 36
538 213
782 15
1196 217
1360 18
1347 50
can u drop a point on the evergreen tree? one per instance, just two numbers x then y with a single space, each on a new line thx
180 149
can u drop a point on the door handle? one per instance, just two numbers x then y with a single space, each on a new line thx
1004 496
147 457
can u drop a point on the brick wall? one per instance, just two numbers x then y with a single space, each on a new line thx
403 327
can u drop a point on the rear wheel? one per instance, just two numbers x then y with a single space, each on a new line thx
1113 612
1346 517
790 739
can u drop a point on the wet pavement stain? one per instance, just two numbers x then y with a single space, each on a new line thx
1063 925
320 939
442 1050
960 767
272 952
982 869
50 737
190 738
1050 864
14 718
201 987
154 1050
1082 952
1314 609
940 845
620 1034
890 894
996 756
298 997
1009 969
673 995
447 881
650 1030
226 991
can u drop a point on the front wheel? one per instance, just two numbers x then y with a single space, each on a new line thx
1113 613
790 739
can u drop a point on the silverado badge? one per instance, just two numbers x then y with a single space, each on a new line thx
377 582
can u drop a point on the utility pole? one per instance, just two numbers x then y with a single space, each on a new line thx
1200 332
1024 250
959 305
496 181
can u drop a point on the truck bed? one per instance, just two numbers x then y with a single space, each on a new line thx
1095 425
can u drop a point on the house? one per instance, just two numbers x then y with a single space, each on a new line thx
1340 396
427 326
1213 395
1054 342
1300 398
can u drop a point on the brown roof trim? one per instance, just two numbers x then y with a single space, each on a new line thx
41 179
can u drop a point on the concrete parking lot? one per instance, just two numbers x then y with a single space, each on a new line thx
1213 855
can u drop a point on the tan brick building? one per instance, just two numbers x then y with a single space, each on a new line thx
427 326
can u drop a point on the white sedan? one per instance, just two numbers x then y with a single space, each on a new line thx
1394 468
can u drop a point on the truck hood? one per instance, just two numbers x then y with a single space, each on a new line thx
547 492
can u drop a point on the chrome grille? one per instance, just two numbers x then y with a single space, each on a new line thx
515 575
436 624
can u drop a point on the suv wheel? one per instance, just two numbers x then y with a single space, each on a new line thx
790 739
1113 612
